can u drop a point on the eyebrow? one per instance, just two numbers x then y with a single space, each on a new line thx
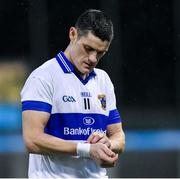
95 49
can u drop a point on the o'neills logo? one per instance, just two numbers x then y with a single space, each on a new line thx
81 131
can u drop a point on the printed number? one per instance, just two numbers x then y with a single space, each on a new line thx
86 103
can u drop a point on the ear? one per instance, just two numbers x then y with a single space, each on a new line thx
73 34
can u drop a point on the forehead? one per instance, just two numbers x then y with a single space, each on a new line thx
94 42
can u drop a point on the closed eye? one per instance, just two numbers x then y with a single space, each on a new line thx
88 48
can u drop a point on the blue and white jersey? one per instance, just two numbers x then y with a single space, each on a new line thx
77 108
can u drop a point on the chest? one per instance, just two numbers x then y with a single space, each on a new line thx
72 96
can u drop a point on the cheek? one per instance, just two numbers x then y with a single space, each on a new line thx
81 52
77 53
79 56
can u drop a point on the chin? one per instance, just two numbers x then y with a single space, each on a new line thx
86 71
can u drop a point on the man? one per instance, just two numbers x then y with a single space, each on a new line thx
71 126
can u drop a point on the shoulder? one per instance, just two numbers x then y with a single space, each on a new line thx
104 80
39 81
44 71
102 75
42 76
101 72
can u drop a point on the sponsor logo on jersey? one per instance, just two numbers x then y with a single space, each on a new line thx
66 98
102 98
81 131
88 120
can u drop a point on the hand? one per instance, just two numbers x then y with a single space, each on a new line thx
98 137
102 155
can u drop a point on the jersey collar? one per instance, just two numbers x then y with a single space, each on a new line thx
68 67
64 63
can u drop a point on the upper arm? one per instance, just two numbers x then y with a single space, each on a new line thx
34 123
114 129
36 98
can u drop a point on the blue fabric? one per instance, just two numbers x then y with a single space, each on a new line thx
84 81
37 106
114 117
75 126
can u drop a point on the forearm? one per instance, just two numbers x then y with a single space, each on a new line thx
47 144
117 142
116 135
39 142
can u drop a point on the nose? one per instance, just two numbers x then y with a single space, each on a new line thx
93 57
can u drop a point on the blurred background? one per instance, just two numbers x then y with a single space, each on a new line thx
143 63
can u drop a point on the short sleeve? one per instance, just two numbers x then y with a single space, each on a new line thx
114 115
37 95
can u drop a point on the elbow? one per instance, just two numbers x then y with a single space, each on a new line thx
122 144
31 145
118 145
122 148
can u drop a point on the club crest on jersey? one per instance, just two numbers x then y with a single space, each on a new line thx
102 98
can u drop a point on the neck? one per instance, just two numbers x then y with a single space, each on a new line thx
68 56
83 76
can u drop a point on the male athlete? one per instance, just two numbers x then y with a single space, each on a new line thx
71 126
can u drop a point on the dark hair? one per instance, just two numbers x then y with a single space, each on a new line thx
97 23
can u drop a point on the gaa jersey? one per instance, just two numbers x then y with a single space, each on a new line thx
77 108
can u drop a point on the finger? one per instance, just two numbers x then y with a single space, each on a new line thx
109 152
90 138
105 141
106 158
95 137
111 162
108 165
115 158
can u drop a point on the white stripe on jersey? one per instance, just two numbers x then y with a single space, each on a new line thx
64 63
